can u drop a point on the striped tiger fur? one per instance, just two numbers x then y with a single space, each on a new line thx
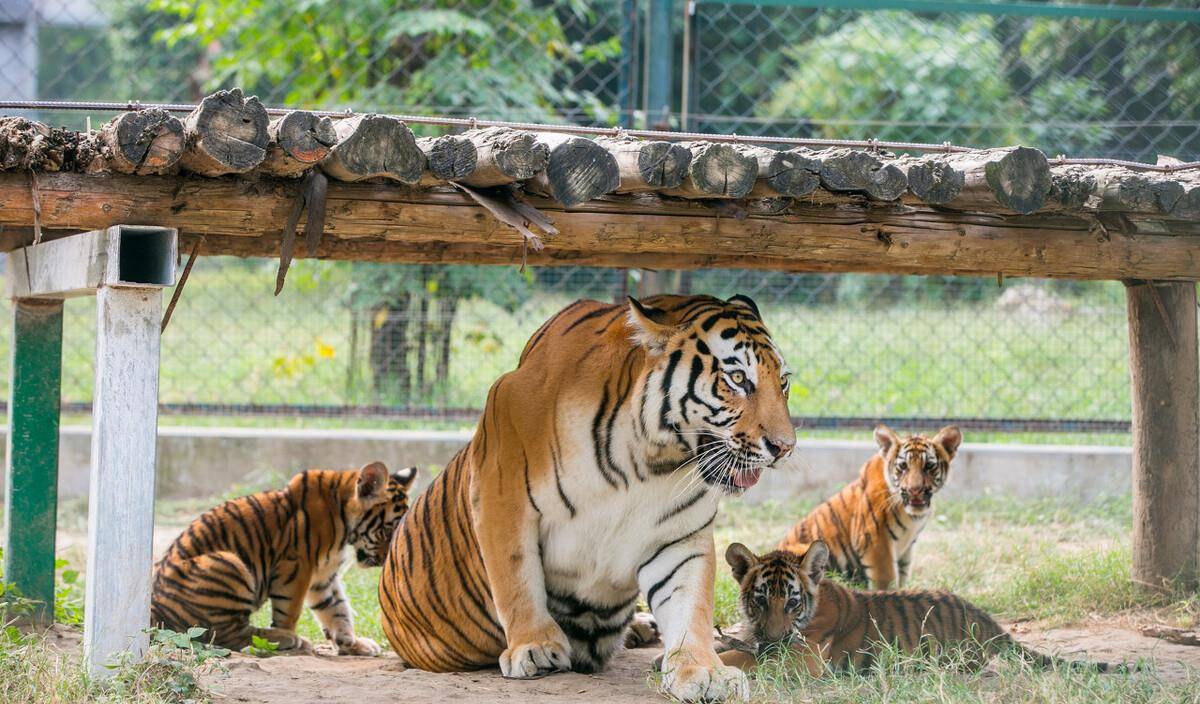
594 475
287 546
872 524
785 600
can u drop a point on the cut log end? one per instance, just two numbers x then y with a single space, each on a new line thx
143 142
226 134
520 156
792 173
451 157
579 170
860 172
298 141
934 181
663 164
720 171
1020 179
374 146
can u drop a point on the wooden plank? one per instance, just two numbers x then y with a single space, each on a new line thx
1165 374
624 230
121 494
32 458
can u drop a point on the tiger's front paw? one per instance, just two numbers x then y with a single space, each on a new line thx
643 631
360 646
696 683
537 656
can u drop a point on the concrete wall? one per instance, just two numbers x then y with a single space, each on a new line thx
198 462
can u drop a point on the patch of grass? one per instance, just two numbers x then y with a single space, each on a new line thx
34 670
898 677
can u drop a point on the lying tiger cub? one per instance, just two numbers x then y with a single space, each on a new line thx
287 545
785 600
870 538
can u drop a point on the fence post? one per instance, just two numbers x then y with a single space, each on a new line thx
32 456
121 493
1164 370
658 98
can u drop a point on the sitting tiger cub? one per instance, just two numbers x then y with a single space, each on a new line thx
284 545
784 600
870 538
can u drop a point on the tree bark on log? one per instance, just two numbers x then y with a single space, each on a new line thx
26 145
374 146
146 142
852 171
932 178
1116 189
1012 179
577 170
716 170
449 158
647 165
297 142
1164 371
1188 205
792 173
226 134
504 156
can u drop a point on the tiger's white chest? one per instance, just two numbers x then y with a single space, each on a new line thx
593 542
907 530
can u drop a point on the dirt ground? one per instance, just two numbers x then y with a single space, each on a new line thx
383 680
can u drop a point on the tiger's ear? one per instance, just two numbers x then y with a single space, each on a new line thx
885 439
949 438
815 561
405 477
745 302
740 559
372 479
650 329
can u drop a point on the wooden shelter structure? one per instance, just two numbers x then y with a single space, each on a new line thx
227 179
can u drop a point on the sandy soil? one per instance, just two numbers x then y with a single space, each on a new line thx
383 680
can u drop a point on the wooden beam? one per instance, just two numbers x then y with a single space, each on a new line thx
32 458
1165 374
791 236
121 492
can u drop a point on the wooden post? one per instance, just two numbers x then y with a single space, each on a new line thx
121 503
1166 417
31 487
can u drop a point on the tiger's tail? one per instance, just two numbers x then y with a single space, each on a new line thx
1050 662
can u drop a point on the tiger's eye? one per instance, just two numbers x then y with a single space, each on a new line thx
737 376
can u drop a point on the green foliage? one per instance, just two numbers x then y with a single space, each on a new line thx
261 647
490 56
68 596
910 77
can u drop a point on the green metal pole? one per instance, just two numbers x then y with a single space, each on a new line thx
32 458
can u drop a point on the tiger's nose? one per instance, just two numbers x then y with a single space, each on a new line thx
779 445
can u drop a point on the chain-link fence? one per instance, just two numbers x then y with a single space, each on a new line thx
419 344
355 343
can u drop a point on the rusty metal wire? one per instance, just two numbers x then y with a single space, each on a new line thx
471 122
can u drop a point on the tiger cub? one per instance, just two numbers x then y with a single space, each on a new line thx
284 545
784 600
871 525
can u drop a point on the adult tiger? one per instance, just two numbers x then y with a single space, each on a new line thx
594 475
284 545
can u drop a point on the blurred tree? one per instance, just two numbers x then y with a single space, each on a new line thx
495 58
